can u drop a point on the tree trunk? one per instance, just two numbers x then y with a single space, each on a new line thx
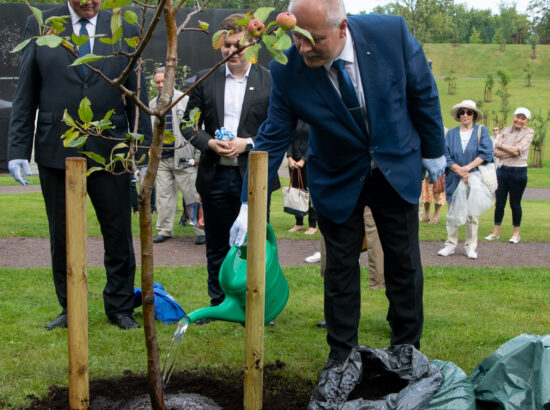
165 98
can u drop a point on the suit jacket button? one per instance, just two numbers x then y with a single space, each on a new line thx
85 85
361 179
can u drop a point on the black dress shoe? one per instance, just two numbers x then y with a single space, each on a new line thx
203 321
322 325
123 320
200 240
59 321
160 239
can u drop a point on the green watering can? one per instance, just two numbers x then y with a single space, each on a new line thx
233 283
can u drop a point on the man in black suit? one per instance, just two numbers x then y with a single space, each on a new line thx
235 97
47 83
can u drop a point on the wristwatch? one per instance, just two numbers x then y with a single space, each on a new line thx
249 144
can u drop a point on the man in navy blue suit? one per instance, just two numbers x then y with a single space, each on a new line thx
367 148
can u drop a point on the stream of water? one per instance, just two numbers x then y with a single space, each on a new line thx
173 350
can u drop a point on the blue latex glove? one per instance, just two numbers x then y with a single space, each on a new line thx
435 167
237 234
15 166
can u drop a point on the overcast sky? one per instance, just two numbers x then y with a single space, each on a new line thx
355 6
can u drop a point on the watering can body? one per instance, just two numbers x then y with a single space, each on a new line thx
232 279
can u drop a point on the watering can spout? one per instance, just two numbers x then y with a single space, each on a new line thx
232 279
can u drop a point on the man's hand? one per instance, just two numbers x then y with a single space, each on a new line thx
435 166
237 234
223 148
15 166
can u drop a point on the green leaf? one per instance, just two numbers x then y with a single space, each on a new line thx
133 42
37 13
21 45
67 119
251 53
141 159
169 137
135 136
244 21
50 40
79 40
77 142
113 4
204 25
88 58
304 33
92 170
131 17
278 55
218 39
96 157
282 42
70 135
108 114
116 26
263 13
85 110
120 145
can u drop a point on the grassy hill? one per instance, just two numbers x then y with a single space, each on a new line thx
478 60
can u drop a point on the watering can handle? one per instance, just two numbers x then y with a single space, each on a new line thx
270 236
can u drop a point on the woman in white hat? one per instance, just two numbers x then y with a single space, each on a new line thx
463 155
512 149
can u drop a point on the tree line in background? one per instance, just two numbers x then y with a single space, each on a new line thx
438 21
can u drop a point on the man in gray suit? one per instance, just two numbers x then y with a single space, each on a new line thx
49 85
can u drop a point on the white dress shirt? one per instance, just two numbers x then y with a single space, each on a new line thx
91 27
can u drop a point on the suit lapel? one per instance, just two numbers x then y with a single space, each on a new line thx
251 85
219 92
367 61
103 27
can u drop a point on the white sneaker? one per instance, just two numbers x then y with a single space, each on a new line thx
471 254
446 251
316 257
513 239
491 237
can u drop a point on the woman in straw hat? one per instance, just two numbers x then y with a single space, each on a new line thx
463 155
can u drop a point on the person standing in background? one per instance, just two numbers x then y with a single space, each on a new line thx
177 168
512 150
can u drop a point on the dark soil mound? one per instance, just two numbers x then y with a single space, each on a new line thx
227 390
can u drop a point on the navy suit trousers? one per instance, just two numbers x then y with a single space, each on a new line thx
397 224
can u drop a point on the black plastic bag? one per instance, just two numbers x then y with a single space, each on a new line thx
398 377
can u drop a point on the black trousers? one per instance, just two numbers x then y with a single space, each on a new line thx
511 181
110 196
397 224
221 206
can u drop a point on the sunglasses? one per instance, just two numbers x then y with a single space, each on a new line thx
462 112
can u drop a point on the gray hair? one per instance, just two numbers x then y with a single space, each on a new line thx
160 69
335 11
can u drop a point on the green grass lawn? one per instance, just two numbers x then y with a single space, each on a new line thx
469 312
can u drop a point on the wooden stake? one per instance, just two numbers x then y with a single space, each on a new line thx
77 282
255 280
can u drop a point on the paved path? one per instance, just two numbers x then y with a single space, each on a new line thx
182 251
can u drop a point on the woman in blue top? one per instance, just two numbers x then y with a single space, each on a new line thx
463 155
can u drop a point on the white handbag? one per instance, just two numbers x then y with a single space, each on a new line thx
296 200
488 171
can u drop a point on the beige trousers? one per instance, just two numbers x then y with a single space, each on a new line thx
169 179
374 253
472 224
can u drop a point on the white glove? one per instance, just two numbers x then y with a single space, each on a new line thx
237 234
435 166
15 166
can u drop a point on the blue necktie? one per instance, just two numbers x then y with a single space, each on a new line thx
84 48
347 91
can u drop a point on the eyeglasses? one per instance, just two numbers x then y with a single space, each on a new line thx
462 112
